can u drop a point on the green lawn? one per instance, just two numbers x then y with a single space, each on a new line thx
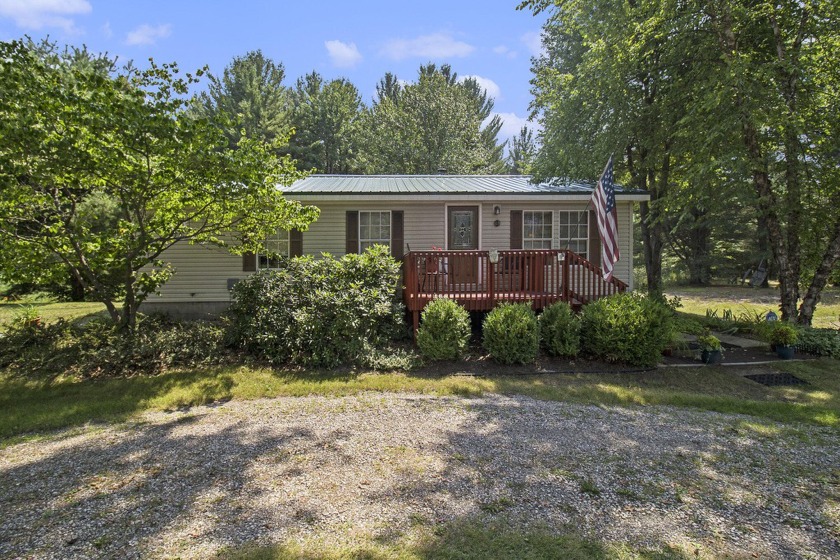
51 311
463 541
34 406
746 300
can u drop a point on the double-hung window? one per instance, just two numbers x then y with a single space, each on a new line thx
573 231
276 246
537 229
374 229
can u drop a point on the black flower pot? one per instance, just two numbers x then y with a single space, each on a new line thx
785 352
711 357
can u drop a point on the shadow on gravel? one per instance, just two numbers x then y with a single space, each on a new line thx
509 477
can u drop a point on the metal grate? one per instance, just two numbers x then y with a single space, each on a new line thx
776 379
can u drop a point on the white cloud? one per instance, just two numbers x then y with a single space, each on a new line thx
503 50
148 35
512 124
435 46
343 55
533 41
491 87
107 31
37 14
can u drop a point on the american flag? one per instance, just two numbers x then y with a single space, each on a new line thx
603 199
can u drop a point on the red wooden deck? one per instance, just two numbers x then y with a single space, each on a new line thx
540 277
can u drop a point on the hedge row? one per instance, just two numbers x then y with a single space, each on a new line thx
628 328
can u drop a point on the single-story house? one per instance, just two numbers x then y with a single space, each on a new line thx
475 216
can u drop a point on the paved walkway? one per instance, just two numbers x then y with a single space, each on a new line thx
731 341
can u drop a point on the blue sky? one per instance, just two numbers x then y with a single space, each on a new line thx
361 40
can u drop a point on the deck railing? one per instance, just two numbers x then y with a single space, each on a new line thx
540 277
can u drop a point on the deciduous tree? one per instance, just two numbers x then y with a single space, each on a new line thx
70 135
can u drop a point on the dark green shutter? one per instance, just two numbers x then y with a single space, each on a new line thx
249 262
295 243
352 233
397 234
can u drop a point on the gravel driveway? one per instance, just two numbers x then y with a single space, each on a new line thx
189 483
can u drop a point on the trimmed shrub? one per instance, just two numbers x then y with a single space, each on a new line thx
444 330
512 334
318 312
783 335
560 330
629 328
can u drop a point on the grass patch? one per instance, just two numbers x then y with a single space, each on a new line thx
743 299
34 406
463 540
51 311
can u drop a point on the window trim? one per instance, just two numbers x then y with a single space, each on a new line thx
379 241
563 242
288 252
526 239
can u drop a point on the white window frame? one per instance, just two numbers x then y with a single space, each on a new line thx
371 240
266 262
537 240
566 241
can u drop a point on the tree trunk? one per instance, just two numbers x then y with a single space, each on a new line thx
77 289
764 248
767 205
818 283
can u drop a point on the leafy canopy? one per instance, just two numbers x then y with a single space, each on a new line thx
72 134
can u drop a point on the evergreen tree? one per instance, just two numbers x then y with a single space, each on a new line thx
326 119
249 100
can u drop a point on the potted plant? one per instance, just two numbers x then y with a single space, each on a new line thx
710 349
783 338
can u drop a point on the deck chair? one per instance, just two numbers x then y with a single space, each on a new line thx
759 275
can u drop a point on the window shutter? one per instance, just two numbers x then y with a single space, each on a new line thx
397 235
295 243
249 262
515 229
594 240
352 234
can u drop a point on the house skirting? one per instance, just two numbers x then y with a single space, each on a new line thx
188 310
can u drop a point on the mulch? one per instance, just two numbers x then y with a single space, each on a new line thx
479 364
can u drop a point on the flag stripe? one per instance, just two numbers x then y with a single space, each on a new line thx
603 199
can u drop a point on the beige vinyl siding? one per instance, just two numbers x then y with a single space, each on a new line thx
202 272
423 225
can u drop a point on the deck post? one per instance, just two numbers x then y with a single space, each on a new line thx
415 315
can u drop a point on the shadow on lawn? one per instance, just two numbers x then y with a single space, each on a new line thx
43 405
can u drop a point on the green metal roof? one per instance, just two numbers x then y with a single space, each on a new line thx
438 184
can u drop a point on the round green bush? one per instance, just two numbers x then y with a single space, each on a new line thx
444 330
322 312
512 334
629 328
560 330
